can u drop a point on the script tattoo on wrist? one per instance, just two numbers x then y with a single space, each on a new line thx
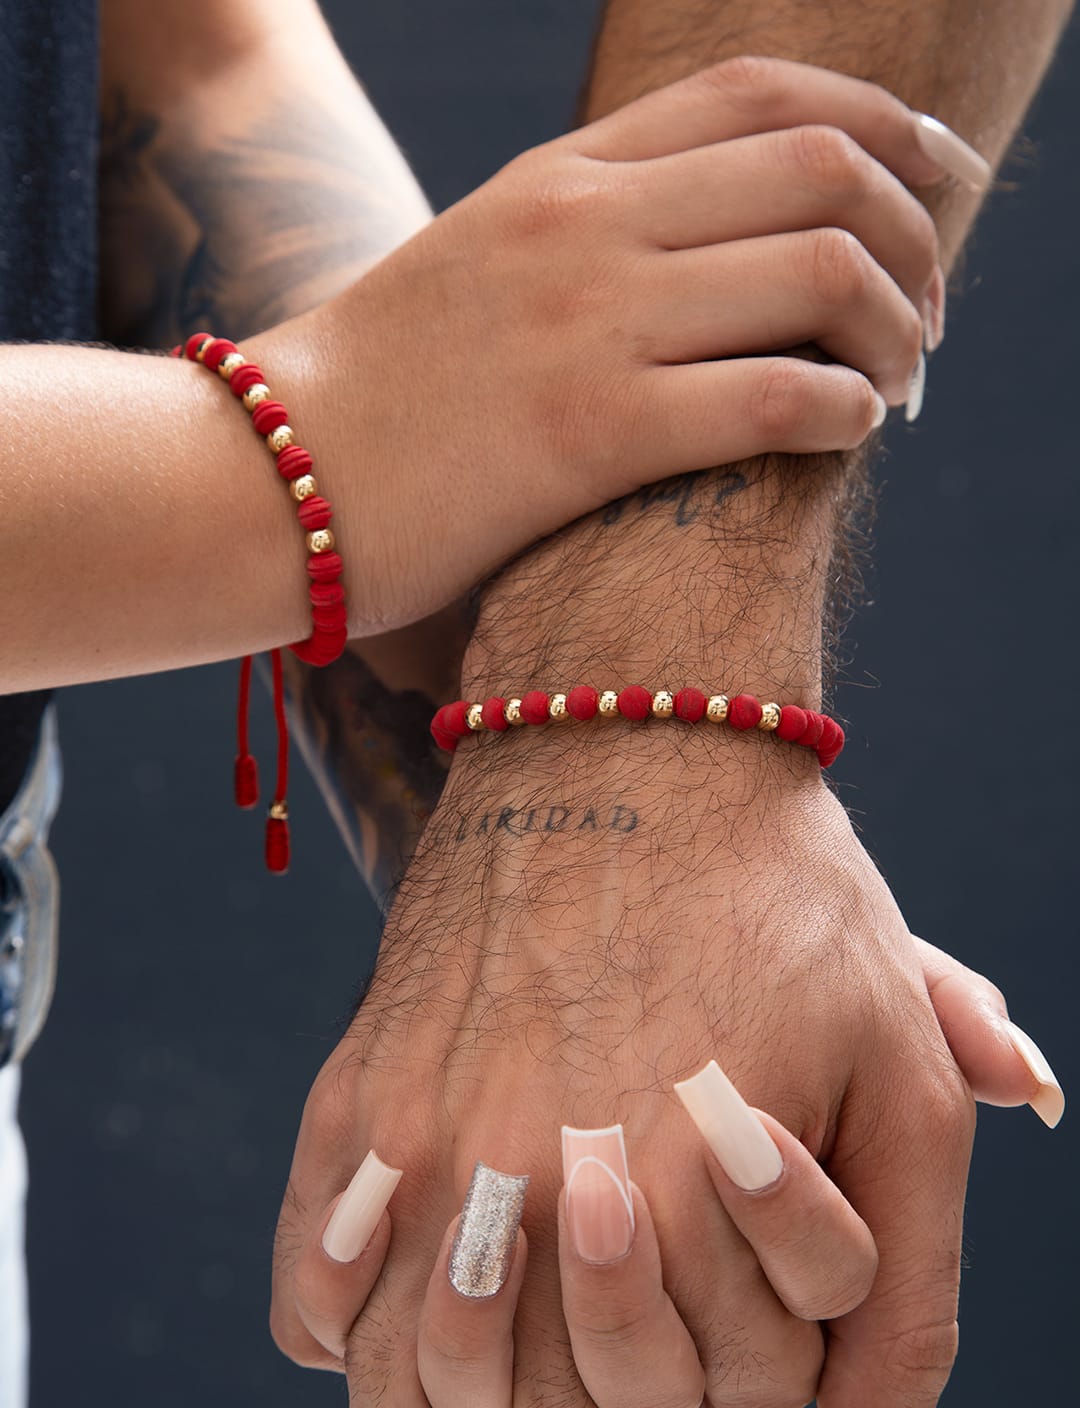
542 820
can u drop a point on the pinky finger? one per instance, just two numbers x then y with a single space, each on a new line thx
709 413
341 1260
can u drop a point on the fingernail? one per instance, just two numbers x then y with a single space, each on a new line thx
916 390
941 144
882 410
1049 1102
731 1129
359 1208
599 1207
934 312
486 1236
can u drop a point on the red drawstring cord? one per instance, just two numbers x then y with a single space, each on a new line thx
246 772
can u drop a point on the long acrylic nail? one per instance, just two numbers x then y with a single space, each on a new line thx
934 313
941 144
731 1129
916 390
486 1236
599 1207
1049 1101
359 1208
881 412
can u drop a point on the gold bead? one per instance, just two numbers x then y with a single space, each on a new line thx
229 364
770 717
280 438
279 811
608 705
200 351
513 712
557 710
663 704
716 709
256 395
303 488
322 540
473 717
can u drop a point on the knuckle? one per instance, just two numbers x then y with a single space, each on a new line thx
839 266
829 158
553 199
293 1340
781 399
749 80
922 1356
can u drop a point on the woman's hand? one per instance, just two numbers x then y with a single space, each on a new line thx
609 308
630 1345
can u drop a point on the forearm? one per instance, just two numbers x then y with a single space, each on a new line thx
237 193
728 589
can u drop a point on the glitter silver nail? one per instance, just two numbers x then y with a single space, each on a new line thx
487 1233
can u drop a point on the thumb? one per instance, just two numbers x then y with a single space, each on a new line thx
1000 1062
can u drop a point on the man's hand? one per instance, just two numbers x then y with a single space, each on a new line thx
563 955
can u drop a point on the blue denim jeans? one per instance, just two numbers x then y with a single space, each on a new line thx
29 909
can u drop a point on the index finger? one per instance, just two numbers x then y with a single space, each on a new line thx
907 1180
746 95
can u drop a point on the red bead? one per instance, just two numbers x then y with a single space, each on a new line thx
268 415
582 702
690 705
194 342
245 376
494 714
831 744
454 719
635 701
321 647
811 735
324 566
534 707
277 845
314 512
328 619
216 353
441 734
792 725
293 461
744 711
326 593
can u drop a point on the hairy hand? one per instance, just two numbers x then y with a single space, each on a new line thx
563 956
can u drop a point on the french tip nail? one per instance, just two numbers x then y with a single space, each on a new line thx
599 1205
955 156
1048 1102
917 390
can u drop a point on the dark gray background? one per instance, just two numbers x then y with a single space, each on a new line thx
198 996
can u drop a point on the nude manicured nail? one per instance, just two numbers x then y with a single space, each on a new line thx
359 1208
881 412
934 313
916 391
599 1207
1049 1102
731 1129
486 1236
941 144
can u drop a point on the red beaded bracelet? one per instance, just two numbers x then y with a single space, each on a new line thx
803 726
329 620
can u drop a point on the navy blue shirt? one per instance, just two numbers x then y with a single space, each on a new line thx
48 225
